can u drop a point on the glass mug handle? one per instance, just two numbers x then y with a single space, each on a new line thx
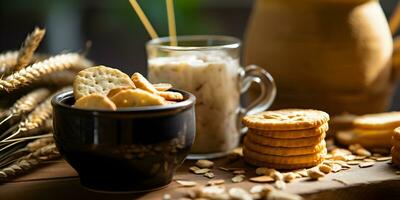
255 74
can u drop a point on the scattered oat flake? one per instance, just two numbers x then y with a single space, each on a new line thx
398 172
186 183
238 178
366 164
381 159
216 182
369 160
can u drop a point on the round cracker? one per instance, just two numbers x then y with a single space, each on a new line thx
286 119
283 151
388 120
292 134
95 101
135 98
285 160
275 142
99 80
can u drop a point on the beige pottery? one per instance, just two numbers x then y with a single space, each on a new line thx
333 55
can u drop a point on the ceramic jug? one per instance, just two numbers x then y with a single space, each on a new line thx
333 55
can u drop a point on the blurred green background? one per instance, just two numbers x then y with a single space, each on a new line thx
118 37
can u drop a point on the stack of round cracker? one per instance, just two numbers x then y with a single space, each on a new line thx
396 147
286 139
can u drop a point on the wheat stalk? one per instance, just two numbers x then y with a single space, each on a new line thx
7 61
27 50
39 143
35 71
29 161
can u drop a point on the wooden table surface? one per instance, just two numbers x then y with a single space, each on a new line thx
57 180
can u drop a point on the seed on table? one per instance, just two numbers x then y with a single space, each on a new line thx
366 164
238 178
202 171
363 152
242 171
277 175
325 168
262 179
353 162
264 171
280 185
386 158
186 183
167 197
204 164
216 182
301 172
336 168
360 157
193 168
290 176
209 175
239 193
315 174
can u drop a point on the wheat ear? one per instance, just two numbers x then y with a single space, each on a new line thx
36 71
29 161
28 102
36 118
7 61
27 50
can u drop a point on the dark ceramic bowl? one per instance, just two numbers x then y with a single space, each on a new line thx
132 149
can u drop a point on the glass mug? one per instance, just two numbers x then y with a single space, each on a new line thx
209 67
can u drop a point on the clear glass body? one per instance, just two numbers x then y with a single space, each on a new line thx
208 67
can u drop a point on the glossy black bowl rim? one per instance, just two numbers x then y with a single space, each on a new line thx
57 99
